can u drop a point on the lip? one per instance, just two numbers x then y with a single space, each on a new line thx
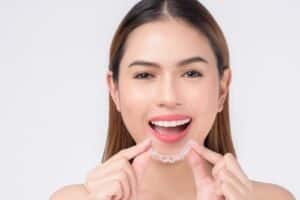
169 117
170 138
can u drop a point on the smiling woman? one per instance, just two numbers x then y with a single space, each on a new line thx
169 76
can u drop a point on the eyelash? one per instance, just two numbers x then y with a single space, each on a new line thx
136 77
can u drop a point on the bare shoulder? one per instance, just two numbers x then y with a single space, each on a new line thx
70 192
271 191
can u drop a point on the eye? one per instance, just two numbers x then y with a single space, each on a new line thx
193 73
141 75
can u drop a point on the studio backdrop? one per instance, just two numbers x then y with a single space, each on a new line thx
54 96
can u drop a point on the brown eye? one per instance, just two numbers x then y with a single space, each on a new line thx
142 76
193 73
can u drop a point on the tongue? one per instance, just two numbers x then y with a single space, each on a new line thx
170 130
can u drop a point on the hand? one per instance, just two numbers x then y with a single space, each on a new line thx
116 178
226 180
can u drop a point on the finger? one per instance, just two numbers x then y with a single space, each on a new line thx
230 192
233 166
132 178
114 189
205 186
218 166
114 168
125 185
208 154
217 188
139 165
199 168
227 176
128 153
111 169
100 185
134 151
107 169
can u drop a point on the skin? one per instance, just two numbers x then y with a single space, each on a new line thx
168 90
193 89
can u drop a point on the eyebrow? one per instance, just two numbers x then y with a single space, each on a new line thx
180 63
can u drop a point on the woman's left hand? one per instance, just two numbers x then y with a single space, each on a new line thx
225 180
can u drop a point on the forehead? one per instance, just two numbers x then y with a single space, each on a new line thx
166 42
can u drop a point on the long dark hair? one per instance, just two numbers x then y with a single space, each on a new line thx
195 14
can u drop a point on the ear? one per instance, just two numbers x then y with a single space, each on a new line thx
113 89
224 87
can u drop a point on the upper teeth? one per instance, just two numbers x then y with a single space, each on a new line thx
170 123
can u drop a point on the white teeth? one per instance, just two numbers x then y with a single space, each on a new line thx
169 158
170 123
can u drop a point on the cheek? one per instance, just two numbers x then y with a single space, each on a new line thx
133 104
202 95
203 99
203 106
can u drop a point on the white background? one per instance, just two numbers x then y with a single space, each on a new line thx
54 98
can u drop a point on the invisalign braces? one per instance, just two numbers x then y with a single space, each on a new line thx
169 158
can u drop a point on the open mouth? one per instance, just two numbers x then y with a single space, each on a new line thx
170 130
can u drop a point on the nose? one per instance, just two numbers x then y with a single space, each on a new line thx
168 93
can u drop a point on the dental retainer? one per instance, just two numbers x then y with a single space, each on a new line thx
168 158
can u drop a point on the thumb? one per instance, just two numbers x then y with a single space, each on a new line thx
139 164
200 168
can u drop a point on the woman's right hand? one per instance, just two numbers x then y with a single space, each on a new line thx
116 178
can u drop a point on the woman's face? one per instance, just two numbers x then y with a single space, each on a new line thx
192 89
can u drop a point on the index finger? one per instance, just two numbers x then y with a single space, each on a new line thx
134 151
208 154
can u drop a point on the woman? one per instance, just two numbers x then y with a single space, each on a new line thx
169 78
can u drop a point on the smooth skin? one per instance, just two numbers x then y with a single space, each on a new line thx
117 179
169 89
226 180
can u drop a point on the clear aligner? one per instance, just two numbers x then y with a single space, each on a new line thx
169 158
